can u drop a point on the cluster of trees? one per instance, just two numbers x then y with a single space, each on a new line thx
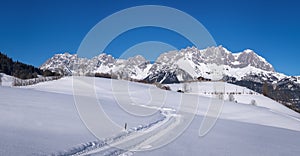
21 82
203 79
21 70
103 75
283 94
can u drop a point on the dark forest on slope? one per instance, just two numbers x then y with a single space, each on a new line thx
21 70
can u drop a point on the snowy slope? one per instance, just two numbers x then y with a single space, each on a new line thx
36 123
233 139
197 88
43 120
6 80
242 95
265 111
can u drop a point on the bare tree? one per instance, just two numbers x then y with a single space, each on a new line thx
253 102
265 89
0 79
186 87
231 97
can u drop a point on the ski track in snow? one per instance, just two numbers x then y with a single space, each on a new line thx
127 142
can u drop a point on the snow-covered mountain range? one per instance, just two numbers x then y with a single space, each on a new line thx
183 65
135 67
174 66
190 64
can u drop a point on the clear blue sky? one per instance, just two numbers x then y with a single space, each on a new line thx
32 31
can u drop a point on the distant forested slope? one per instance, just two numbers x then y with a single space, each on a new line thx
21 70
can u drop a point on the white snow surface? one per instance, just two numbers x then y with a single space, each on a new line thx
6 80
42 119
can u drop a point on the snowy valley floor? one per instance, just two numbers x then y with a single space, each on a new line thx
42 120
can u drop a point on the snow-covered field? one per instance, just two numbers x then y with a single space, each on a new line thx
42 120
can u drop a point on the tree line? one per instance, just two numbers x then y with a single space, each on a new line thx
21 70
21 82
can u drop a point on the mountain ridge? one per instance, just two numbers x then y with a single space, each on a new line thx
211 55
244 68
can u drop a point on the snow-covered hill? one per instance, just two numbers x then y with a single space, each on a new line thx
6 80
42 119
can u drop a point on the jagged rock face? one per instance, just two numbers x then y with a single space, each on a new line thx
102 60
162 77
135 65
166 70
132 68
221 56
216 55
73 65
248 57
62 63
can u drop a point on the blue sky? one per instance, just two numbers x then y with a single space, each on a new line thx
34 30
